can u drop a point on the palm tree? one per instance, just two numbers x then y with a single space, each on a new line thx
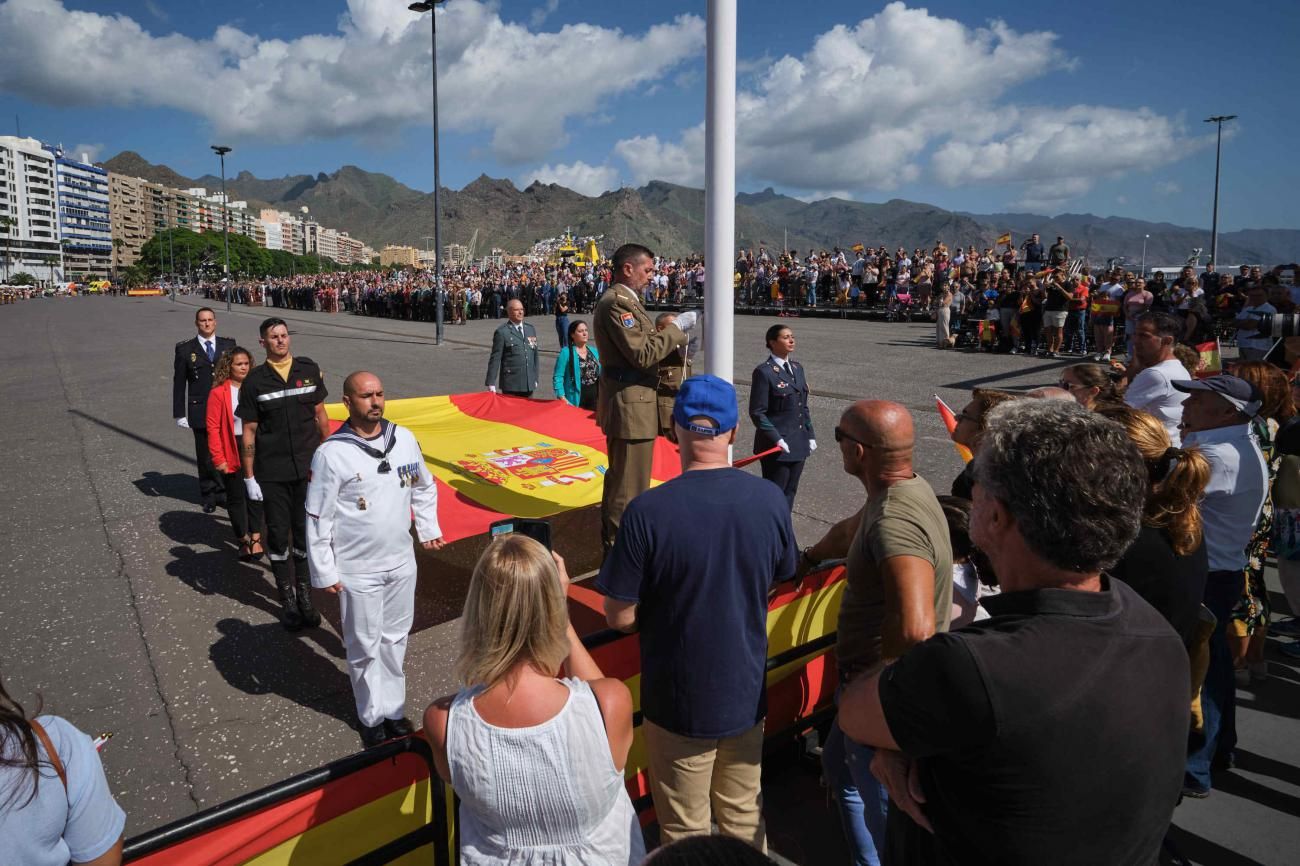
118 243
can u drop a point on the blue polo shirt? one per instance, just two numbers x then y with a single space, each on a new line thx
698 555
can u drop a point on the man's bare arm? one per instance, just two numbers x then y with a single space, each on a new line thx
248 447
835 543
909 603
620 615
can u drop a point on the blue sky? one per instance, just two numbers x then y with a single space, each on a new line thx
1010 107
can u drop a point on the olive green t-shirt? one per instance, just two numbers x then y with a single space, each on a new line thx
906 520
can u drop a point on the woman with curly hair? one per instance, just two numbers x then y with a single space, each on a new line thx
224 430
1093 385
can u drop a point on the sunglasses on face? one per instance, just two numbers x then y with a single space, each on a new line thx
840 436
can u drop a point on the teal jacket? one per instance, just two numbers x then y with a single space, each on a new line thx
568 374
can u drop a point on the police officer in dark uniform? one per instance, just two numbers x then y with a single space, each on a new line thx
778 406
282 405
192 373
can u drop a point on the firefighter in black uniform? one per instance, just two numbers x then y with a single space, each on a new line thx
282 406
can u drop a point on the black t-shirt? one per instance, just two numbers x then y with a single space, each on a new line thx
285 414
1172 584
1058 298
1053 732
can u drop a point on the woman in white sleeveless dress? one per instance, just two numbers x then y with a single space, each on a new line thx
537 760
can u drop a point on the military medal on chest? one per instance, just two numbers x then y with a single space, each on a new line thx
361 503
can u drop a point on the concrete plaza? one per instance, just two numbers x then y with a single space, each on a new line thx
126 610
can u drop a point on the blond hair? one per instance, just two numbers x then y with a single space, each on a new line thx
1178 477
515 613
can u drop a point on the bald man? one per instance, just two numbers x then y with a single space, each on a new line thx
898 592
367 480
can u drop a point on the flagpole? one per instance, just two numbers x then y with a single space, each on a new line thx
720 188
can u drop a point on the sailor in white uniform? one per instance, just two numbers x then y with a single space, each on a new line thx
366 479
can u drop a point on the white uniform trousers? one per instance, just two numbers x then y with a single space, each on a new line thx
377 613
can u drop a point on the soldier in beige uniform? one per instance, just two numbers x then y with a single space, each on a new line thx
630 351
673 370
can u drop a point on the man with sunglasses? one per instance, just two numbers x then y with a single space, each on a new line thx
898 592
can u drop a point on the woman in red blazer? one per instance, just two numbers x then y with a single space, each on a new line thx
223 443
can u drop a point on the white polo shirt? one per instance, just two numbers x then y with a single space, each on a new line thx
1235 494
1153 391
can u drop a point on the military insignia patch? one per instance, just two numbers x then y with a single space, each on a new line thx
628 320
193 357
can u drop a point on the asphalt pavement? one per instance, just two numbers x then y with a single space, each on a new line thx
126 610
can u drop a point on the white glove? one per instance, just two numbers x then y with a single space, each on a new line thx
812 445
780 443
183 423
687 320
253 489
492 388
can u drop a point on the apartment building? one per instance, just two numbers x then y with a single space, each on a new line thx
399 256
29 209
81 191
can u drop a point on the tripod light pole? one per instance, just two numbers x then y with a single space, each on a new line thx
221 152
1218 120
421 8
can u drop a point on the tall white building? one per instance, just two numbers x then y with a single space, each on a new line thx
84 231
29 209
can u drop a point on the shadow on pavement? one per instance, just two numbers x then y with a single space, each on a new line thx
136 437
1202 851
267 660
175 485
1279 696
1240 786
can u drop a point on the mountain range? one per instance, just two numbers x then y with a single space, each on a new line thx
670 219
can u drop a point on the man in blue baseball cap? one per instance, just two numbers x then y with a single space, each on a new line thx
1216 419
690 570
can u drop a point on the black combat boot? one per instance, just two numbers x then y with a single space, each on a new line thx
290 618
310 616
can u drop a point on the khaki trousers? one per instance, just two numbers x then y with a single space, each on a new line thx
627 477
691 779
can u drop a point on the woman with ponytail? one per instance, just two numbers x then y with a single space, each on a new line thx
1093 385
1167 563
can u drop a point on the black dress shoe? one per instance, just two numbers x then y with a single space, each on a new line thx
209 507
372 735
398 728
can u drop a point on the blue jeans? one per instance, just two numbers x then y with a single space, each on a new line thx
863 801
562 330
1219 694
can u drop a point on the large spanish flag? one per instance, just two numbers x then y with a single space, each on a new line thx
495 456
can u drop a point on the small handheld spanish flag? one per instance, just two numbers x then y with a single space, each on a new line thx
1211 359
1005 239
950 421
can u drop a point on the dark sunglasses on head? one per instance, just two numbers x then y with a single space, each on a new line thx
840 436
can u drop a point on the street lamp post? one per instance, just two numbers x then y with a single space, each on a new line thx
420 8
1145 238
221 152
1218 120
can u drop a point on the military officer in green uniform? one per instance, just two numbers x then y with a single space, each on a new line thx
673 370
513 364
627 410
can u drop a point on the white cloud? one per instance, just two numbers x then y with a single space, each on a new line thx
876 105
541 13
86 152
578 176
1168 187
372 74
652 159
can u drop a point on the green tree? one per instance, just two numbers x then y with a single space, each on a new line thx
22 278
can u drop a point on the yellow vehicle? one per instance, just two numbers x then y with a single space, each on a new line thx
569 253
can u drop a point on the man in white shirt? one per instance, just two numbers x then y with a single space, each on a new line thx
1110 292
1216 420
366 480
1251 345
1153 389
